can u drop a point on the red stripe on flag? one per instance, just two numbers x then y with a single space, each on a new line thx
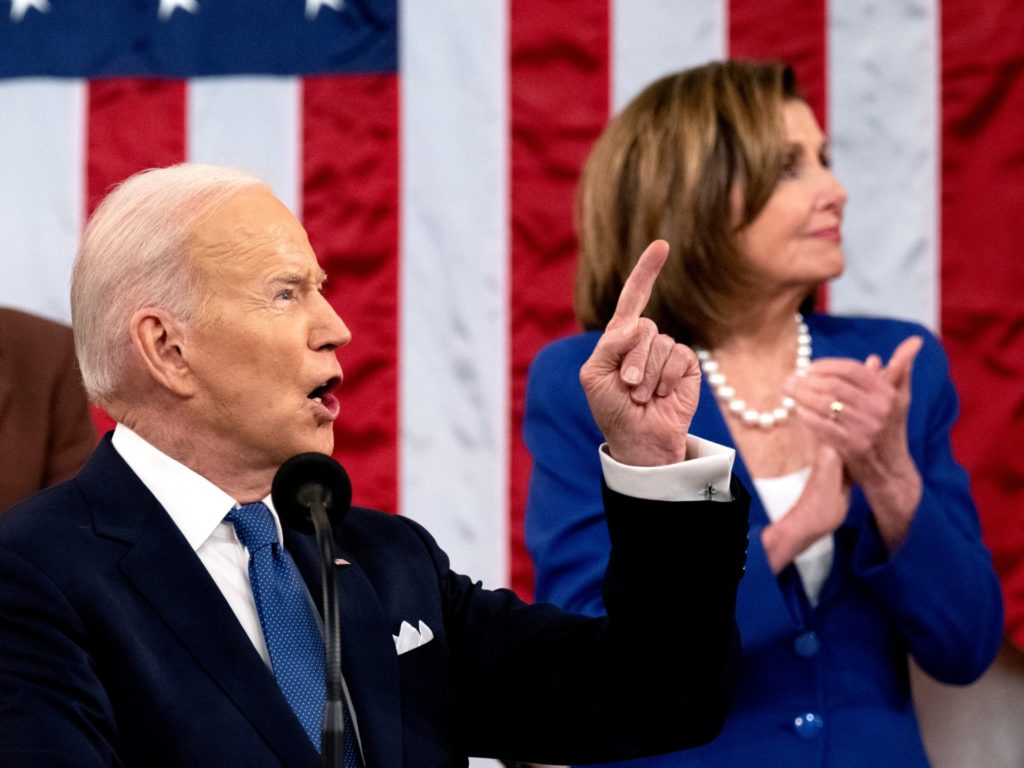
982 272
350 148
559 87
132 124
796 32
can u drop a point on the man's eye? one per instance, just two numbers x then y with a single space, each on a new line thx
287 294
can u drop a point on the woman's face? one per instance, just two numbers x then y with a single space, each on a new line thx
795 240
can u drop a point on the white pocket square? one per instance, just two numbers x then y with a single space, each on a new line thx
409 637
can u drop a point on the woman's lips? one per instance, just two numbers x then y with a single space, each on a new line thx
831 234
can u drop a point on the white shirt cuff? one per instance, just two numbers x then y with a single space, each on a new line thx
705 474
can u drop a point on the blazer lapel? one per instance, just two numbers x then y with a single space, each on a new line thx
709 422
368 658
166 571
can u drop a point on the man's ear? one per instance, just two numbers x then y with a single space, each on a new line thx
159 338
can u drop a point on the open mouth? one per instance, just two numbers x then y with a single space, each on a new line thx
324 389
324 396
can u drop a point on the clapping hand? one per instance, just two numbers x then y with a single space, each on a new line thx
819 511
860 410
642 386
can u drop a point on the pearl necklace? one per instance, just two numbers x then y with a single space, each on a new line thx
738 407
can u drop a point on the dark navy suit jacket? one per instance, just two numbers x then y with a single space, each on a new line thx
117 648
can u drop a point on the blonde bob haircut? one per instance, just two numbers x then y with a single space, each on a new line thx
135 253
692 160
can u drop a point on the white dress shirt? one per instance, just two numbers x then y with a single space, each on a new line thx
198 508
704 475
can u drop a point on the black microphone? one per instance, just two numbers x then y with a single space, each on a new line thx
305 479
308 491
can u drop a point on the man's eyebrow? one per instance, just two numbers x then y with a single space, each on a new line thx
296 278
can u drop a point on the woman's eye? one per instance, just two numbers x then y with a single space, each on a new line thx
790 167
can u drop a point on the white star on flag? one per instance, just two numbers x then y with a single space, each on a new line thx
313 6
167 7
20 7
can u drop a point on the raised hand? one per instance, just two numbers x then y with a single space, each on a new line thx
642 386
860 409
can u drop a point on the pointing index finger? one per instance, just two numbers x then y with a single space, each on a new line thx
637 290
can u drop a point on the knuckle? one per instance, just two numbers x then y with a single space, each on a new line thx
648 326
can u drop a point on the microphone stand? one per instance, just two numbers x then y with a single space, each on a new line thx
333 729
304 489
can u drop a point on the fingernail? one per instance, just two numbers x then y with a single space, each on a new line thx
632 375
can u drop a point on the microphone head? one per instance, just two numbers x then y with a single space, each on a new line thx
305 479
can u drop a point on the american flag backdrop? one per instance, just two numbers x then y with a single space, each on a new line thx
431 148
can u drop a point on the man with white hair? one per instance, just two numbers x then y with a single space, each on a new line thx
154 613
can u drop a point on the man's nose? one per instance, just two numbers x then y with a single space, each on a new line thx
330 331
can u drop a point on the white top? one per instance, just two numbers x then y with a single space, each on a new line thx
779 494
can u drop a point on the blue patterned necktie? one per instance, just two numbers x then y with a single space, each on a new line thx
289 623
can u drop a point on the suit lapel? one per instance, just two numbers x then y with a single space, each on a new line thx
166 571
368 658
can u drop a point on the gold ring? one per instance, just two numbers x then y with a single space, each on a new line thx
835 409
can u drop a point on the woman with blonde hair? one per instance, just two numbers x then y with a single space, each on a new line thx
864 541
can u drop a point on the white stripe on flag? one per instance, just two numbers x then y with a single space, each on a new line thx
250 123
650 38
42 191
454 243
883 117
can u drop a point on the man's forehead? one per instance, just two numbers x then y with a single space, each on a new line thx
249 213
254 230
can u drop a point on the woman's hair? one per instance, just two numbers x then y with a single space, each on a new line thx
135 253
677 163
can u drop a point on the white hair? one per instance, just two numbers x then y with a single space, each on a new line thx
134 253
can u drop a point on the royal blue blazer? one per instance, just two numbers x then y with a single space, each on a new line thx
118 649
825 686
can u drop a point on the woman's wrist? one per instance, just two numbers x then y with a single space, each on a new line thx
786 538
894 498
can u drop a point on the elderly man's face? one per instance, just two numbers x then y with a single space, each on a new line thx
264 353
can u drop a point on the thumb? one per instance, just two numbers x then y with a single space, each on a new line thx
897 372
